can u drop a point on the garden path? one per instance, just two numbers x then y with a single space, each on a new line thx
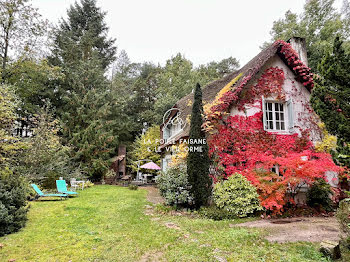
153 195
311 229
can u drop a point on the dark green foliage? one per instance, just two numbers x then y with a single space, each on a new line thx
33 81
136 86
319 195
331 98
49 182
319 24
150 90
84 33
215 213
93 116
343 216
198 161
174 187
13 203
93 119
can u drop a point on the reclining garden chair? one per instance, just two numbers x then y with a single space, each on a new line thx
41 194
62 188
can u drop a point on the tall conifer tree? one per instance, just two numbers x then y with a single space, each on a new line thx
198 161
92 116
83 34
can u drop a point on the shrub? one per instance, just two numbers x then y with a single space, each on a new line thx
45 157
215 213
13 203
174 187
133 187
49 182
88 184
343 216
319 195
237 196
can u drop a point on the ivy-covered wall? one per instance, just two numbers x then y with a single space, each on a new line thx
303 115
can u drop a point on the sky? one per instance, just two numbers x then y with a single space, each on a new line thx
202 30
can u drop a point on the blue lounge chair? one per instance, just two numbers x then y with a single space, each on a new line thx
62 188
41 194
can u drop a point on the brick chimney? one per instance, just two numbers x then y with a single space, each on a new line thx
299 45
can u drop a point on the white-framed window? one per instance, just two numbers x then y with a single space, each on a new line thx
278 115
165 163
275 116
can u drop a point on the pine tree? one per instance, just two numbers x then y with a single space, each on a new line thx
93 118
198 162
331 98
83 34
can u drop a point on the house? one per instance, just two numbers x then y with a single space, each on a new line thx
285 111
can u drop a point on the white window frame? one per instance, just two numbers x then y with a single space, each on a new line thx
165 162
288 114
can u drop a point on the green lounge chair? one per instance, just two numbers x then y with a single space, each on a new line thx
62 188
41 194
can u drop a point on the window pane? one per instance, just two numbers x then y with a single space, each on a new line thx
269 106
274 116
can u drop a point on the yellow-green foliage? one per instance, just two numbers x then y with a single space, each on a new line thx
146 147
209 114
237 196
180 155
9 145
46 156
13 188
328 143
88 184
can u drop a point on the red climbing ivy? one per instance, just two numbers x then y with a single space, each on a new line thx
300 69
241 145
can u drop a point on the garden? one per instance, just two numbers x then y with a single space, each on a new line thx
79 121
110 223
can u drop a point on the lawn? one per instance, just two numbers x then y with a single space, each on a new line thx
109 223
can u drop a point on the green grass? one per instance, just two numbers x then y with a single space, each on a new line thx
108 223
